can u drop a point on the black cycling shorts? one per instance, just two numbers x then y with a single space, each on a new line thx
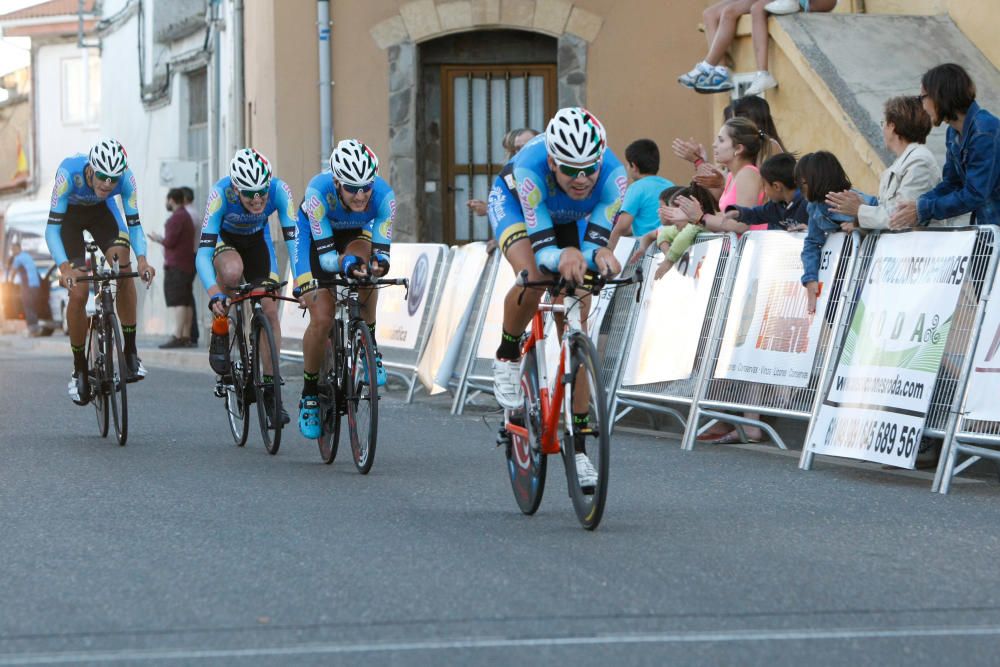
100 222
341 239
253 251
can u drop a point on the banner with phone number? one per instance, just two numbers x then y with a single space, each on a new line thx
877 403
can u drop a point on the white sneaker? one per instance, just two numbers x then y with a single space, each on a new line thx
585 472
783 7
761 81
507 383
691 78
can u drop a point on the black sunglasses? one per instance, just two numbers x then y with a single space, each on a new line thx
250 194
577 172
355 189
106 177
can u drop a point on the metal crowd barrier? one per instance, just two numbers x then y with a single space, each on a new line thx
469 370
953 373
402 363
659 397
716 394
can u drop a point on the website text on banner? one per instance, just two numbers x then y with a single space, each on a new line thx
490 339
398 323
464 273
984 383
877 403
676 303
770 336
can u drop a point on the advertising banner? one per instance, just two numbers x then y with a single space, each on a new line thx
770 336
670 317
877 403
467 264
399 318
984 387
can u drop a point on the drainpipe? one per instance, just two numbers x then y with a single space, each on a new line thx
239 94
216 89
325 85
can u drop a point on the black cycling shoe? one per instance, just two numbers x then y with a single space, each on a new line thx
133 364
269 406
79 388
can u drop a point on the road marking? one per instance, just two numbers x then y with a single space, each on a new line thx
136 655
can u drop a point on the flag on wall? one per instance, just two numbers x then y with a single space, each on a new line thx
22 160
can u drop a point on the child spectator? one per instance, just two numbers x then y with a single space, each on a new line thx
680 213
971 182
720 20
818 174
638 214
904 129
785 208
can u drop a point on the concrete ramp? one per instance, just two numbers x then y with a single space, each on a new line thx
863 60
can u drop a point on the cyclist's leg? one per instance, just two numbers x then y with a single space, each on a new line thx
361 246
116 247
76 307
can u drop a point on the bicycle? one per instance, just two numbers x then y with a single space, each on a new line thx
244 384
346 385
105 354
545 423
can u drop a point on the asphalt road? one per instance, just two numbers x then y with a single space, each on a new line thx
182 549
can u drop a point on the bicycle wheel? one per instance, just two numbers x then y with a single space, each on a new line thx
264 347
525 461
329 405
95 368
582 376
114 367
237 384
362 397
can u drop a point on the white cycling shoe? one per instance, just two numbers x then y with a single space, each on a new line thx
585 472
507 383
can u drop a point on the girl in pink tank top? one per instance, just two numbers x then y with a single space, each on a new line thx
739 147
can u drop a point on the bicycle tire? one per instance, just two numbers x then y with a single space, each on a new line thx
526 464
582 356
362 396
115 369
263 344
95 368
237 399
329 404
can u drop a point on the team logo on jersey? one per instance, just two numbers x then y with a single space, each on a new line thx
385 229
622 184
313 209
530 194
510 181
78 181
392 210
331 201
290 206
231 195
611 211
496 202
133 204
60 188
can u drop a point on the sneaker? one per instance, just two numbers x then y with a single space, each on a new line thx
928 453
218 354
79 388
269 406
309 424
136 371
780 7
691 78
585 473
380 374
719 80
506 383
761 81
175 342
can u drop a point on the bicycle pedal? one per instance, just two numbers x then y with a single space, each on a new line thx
220 391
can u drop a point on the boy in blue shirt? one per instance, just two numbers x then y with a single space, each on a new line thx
640 209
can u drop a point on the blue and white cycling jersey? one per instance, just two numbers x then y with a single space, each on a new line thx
71 189
225 214
544 204
322 214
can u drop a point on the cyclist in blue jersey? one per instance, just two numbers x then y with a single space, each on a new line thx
84 198
553 207
236 245
345 227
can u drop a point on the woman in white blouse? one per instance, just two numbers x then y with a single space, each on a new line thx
915 171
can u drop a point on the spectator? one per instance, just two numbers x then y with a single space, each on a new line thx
817 175
710 76
915 171
23 267
513 141
739 147
178 262
196 223
751 107
639 212
680 214
971 182
785 208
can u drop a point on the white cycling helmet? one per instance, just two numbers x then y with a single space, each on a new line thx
249 170
575 136
108 157
353 163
